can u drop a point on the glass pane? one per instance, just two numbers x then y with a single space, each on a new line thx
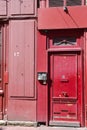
73 2
69 41
59 3
55 3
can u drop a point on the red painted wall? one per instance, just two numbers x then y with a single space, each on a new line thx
42 89
25 50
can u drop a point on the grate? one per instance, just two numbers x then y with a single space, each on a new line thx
73 2
55 3
60 3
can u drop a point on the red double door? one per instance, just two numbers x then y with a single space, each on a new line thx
65 88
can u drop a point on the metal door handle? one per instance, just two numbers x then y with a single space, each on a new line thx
1 92
0 79
65 94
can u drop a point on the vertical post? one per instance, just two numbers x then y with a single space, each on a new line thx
84 2
85 78
42 3
64 3
47 3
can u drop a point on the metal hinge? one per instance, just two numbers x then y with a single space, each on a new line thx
6 77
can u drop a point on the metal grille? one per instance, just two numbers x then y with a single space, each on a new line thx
73 2
55 3
59 3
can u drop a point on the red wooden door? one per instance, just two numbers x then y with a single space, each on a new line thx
65 88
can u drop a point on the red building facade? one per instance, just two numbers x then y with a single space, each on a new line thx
62 37
43 61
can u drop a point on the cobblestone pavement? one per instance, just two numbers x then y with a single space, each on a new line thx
38 128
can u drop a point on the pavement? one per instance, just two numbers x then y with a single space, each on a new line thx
39 128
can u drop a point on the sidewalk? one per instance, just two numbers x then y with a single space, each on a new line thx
38 128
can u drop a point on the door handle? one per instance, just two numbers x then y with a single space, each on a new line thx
64 94
0 79
1 92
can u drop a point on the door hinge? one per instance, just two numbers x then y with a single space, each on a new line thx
6 77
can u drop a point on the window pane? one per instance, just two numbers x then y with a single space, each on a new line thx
68 41
73 2
55 3
59 3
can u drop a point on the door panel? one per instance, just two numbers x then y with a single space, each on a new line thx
63 111
22 61
65 102
65 75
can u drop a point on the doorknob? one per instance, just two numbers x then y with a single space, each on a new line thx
1 92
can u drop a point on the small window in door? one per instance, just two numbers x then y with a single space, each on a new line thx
69 41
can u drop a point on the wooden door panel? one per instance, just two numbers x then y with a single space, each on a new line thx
64 99
65 111
65 75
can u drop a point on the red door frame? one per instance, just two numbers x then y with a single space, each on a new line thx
51 50
5 50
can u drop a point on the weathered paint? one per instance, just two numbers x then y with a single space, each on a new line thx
22 86
22 100
65 102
